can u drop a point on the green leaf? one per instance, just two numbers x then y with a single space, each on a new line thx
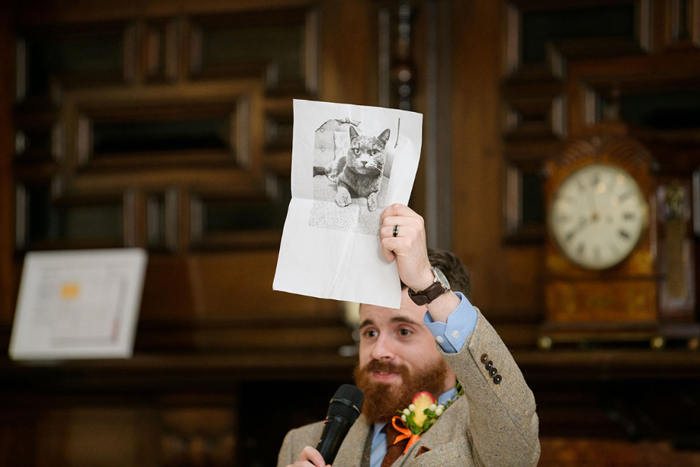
458 388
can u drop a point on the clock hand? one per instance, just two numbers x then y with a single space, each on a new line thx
582 223
594 206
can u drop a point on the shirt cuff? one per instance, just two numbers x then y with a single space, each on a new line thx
452 335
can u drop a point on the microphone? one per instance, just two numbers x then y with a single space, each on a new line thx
344 408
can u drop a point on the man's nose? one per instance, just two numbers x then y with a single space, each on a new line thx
383 349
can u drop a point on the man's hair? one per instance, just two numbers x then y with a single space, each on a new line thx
454 269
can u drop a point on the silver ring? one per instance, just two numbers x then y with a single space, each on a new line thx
396 231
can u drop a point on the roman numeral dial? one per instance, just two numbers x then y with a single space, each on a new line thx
597 216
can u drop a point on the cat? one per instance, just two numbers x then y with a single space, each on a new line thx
359 173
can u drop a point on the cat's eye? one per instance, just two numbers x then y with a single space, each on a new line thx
374 152
356 151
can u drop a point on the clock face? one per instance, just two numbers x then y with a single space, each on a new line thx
598 214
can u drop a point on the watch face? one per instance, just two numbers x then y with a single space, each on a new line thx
597 216
441 277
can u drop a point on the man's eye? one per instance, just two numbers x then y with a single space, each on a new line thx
370 333
405 332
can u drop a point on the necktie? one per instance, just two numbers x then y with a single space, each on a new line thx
393 451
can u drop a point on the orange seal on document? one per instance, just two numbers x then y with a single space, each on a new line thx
70 290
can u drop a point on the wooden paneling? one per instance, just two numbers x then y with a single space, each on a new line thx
104 435
564 452
170 118
170 114
7 149
177 411
502 288
215 345
54 11
347 43
556 81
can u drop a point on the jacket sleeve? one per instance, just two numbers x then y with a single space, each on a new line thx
503 425
296 440
285 456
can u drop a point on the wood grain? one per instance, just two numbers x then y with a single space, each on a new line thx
7 149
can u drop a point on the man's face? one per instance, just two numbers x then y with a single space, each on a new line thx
398 358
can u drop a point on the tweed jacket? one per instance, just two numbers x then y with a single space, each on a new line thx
491 425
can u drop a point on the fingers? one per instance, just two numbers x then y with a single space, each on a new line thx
405 235
387 226
393 221
398 210
408 246
401 231
401 216
310 457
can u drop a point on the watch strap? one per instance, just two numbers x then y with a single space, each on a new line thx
428 294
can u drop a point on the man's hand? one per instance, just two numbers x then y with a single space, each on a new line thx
408 246
309 457
411 253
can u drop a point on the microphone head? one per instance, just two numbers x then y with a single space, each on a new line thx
346 403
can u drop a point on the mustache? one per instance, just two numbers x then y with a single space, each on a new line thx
385 367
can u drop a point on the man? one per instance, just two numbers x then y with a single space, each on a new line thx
493 423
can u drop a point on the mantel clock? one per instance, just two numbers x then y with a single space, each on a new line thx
601 267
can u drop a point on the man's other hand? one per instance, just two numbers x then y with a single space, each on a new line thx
309 457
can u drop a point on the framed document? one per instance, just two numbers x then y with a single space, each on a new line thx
78 304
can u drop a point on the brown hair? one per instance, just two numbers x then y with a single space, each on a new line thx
454 269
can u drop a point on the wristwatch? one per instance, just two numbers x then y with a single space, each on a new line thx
439 286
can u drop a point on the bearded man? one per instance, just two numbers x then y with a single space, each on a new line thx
491 422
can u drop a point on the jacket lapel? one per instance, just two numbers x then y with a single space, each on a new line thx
352 448
438 433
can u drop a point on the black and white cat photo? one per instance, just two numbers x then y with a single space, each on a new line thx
358 173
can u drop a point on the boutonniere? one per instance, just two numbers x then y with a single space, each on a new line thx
420 415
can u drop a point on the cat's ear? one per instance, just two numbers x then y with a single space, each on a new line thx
353 132
385 136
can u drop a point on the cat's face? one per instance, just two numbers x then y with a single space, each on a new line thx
367 153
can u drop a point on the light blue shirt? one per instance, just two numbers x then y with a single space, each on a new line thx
451 337
460 324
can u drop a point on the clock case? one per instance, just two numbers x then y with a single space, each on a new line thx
621 303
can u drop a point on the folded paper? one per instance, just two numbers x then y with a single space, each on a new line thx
349 162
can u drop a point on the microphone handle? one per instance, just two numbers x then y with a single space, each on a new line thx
334 431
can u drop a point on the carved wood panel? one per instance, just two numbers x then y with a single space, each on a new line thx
542 39
631 54
148 110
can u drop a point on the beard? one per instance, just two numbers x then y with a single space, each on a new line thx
382 400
